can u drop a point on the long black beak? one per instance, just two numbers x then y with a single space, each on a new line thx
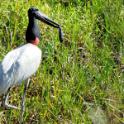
40 16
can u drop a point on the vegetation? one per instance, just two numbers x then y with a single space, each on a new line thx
80 80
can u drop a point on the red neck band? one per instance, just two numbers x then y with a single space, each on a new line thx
36 41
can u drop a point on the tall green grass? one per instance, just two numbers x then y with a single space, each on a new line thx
80 80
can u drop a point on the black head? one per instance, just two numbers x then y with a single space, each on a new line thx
32 30
31 12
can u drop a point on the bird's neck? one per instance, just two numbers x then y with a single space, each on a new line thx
35 41
32 21
32 33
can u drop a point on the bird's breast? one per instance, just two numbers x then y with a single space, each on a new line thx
28 63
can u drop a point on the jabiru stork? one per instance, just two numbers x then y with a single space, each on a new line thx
22 62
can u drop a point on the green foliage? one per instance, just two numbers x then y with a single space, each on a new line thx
81 76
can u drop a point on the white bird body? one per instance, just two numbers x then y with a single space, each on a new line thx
18 65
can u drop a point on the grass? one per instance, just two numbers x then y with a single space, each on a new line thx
80 80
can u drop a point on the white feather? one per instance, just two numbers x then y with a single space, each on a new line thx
18 65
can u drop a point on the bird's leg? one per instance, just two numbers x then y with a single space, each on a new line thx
26 84
5 103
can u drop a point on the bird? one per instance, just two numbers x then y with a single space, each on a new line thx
22 62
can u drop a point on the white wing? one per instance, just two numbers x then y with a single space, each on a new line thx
18 65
